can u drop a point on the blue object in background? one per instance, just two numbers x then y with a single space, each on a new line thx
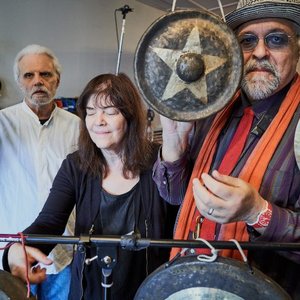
68 104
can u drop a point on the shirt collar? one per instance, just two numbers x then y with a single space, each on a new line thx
262 106
28 110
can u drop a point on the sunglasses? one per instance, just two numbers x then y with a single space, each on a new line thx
274 41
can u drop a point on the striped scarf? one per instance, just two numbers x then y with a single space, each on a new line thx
253 171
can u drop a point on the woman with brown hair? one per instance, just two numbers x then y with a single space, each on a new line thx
109 181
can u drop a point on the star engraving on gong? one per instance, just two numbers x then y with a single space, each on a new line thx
189 67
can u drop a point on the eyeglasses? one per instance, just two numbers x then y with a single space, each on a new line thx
274 41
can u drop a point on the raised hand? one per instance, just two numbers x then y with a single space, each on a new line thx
175 138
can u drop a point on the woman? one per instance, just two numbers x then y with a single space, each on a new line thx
109 181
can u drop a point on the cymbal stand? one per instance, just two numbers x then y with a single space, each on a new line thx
107 259
125 10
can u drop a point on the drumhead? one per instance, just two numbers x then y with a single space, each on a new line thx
189 278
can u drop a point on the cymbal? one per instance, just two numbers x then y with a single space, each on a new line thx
297 144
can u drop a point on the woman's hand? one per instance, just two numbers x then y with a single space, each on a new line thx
17 263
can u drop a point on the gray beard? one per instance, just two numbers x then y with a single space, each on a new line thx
40 102
261 86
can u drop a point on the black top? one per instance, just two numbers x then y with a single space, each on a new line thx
151 216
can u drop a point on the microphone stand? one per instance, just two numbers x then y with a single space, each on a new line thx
125 10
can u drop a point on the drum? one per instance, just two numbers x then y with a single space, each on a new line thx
12 288
189 278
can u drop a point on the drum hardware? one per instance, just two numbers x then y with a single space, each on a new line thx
125 10
214 254
107 259
134 242
107 247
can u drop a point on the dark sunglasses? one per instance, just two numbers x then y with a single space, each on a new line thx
273 40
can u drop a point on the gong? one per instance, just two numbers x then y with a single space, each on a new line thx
12 288
188 65
189 278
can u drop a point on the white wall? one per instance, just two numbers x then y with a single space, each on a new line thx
82 33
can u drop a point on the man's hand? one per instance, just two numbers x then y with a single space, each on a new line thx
17 263
175 138
226 199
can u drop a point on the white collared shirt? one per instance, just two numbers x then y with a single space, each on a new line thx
30 156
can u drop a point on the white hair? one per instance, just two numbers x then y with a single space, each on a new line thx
35 49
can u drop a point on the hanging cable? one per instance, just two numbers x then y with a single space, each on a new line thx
173 5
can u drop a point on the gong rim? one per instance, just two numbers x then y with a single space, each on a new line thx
12 287
223 276
217 45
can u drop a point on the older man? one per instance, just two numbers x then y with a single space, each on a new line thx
35 137
245 183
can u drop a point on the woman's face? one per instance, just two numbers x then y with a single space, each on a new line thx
105 124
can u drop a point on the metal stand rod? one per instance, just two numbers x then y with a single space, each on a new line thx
120 46
107 260
106 283
133 242
125 10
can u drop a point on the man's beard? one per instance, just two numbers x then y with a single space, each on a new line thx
262 85
40 101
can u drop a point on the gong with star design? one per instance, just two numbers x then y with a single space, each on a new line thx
188 65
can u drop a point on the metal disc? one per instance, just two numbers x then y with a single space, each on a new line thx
189 278
12 287
188 65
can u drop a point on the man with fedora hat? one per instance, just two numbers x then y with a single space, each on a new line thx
235 173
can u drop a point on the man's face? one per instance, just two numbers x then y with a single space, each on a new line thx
38 79
270 64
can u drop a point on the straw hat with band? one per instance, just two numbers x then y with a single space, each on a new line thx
248 10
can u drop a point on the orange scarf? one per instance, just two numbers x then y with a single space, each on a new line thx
253 171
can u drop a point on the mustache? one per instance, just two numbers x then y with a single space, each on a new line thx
253 65
40 89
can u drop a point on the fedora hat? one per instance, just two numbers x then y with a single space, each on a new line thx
248 10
